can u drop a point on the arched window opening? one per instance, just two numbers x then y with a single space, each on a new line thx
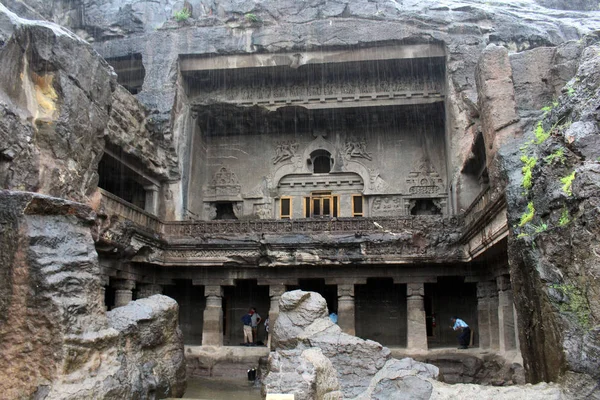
321 162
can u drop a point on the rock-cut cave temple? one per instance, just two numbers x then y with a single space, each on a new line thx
409 162
321 170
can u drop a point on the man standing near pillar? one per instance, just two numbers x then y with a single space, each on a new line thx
465 332
247 321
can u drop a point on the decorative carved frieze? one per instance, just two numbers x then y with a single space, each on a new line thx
209 253
257 89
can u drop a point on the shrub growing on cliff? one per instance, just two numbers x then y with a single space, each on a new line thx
182 15
252 18
540 134
557 155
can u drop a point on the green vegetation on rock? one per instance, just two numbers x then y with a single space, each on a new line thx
564 218
557 155
567 182
540 134
182 15
527 215
252 18
577 304
528 166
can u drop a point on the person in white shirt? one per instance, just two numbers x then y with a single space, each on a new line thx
465 332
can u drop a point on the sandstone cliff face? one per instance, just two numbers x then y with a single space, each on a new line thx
553 196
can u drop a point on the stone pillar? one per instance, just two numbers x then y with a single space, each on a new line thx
123 291
346 311
494 325
416 323
212 329
506 317
151 203
148 289
275 292
484 312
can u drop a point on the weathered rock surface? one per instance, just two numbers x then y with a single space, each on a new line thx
132 130
362 367
553 250
55 100
56 340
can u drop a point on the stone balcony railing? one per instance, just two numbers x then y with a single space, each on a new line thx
114 205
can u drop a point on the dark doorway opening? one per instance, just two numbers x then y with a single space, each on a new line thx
381 311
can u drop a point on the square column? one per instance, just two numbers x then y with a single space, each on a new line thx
151 203
212 328
275 293
494 324
416 324
506 316
346 310
485 290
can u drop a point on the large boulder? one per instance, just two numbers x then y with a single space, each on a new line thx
56 339
362 367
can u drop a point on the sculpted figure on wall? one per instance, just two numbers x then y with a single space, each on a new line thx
263 211
285 151
376 182
356 148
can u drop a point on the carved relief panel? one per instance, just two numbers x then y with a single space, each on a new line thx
424 180
387 206
224 184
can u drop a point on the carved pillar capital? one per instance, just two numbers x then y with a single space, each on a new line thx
503 283
213 291
415 290
486 289
276 290
123 284
345 290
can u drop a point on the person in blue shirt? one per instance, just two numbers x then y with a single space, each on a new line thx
465 332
